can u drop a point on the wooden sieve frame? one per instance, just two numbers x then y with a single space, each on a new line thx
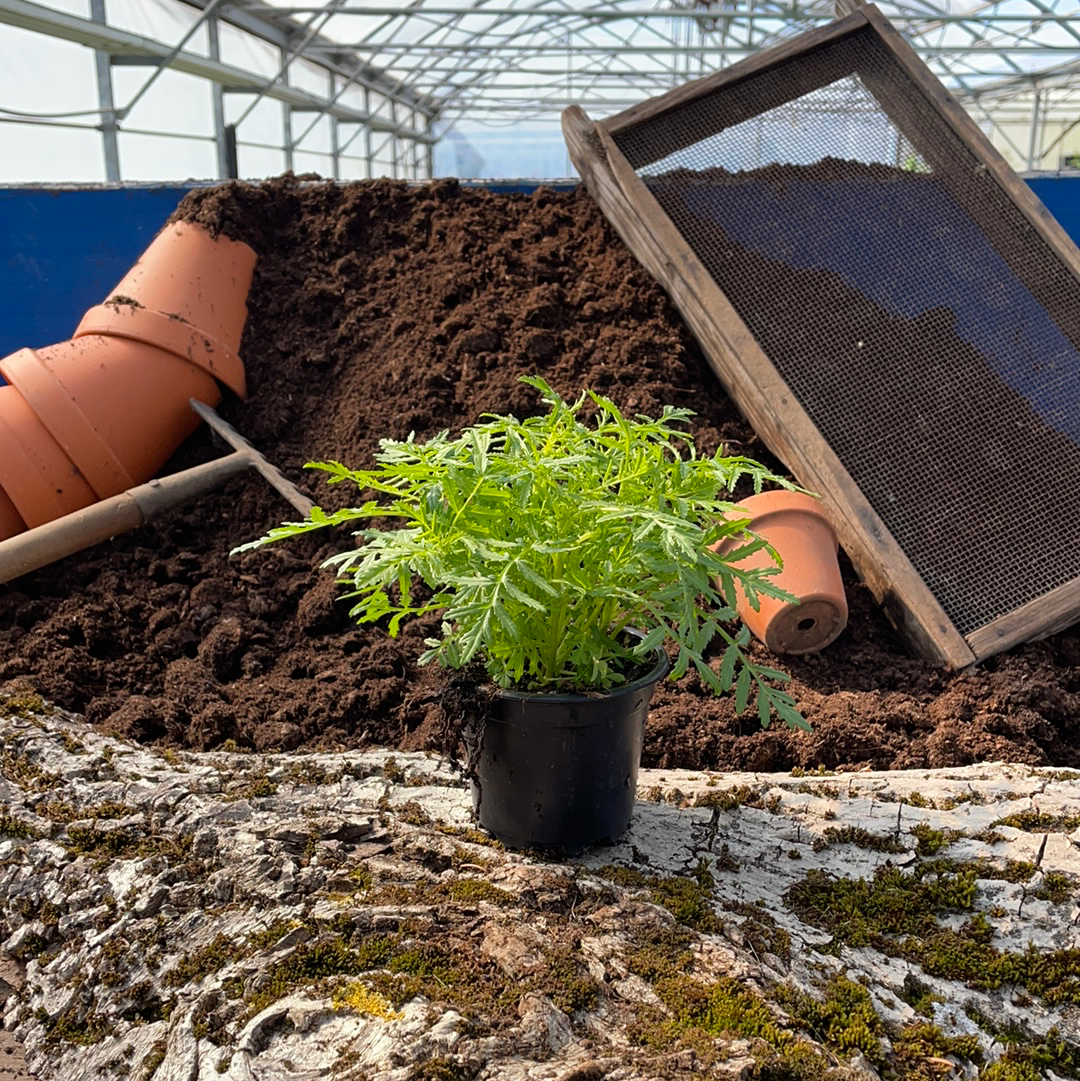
753 381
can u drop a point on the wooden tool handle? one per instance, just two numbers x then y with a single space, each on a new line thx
65 536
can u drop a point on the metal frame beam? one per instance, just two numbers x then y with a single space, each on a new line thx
225 153
707 16
115 42
383 48
109 126
266 22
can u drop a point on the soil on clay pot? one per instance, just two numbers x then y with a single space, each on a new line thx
379 310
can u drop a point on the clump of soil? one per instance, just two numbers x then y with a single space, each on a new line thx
379 310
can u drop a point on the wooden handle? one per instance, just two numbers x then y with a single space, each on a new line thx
84 528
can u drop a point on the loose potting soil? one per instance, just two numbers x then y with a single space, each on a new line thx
377 310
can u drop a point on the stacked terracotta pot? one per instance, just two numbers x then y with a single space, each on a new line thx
92 416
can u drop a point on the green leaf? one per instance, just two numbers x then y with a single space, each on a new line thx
653 640
709 678
727 667
789 714
742 688
763 711
762 673
522 597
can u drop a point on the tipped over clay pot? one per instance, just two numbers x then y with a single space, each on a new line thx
187 294
795 525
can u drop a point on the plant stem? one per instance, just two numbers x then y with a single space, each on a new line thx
554 661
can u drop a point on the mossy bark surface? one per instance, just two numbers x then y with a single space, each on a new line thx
250 916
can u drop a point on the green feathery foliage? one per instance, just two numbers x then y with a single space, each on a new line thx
546 540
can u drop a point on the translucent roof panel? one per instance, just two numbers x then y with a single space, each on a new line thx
386 87
514 59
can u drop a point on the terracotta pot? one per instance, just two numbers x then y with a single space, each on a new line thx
38 481
795 525
118 408
11 521
93 416
187 294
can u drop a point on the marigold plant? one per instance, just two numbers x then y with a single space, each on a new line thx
545 541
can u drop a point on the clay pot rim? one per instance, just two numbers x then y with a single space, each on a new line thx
766 505
810 571
175 336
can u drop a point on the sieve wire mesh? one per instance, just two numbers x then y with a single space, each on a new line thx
929 333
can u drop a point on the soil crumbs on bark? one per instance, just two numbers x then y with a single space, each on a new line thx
379 310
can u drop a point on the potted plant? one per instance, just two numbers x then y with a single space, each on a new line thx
565 555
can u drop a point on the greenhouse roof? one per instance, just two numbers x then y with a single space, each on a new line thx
394 77
528 58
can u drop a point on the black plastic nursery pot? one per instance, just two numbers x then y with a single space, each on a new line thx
560 770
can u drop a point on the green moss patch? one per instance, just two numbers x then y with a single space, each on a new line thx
29 776
696 1015
918 995
23 703
845 1019
62 812
663 954
1027 1054
259 787
929 841
897 913
203 962
1057 888
310 963
761 931
473 890
728 799
470 835
860 912
917 1044
75 1026
1038 822
311 773
689 900
128 842
154 1058
862 838
413 814
11 826
263 940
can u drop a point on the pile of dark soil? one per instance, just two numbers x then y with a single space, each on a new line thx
378 310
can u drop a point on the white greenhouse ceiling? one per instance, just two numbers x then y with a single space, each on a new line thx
530 57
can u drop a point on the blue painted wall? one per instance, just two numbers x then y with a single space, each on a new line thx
1061 196
64 249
